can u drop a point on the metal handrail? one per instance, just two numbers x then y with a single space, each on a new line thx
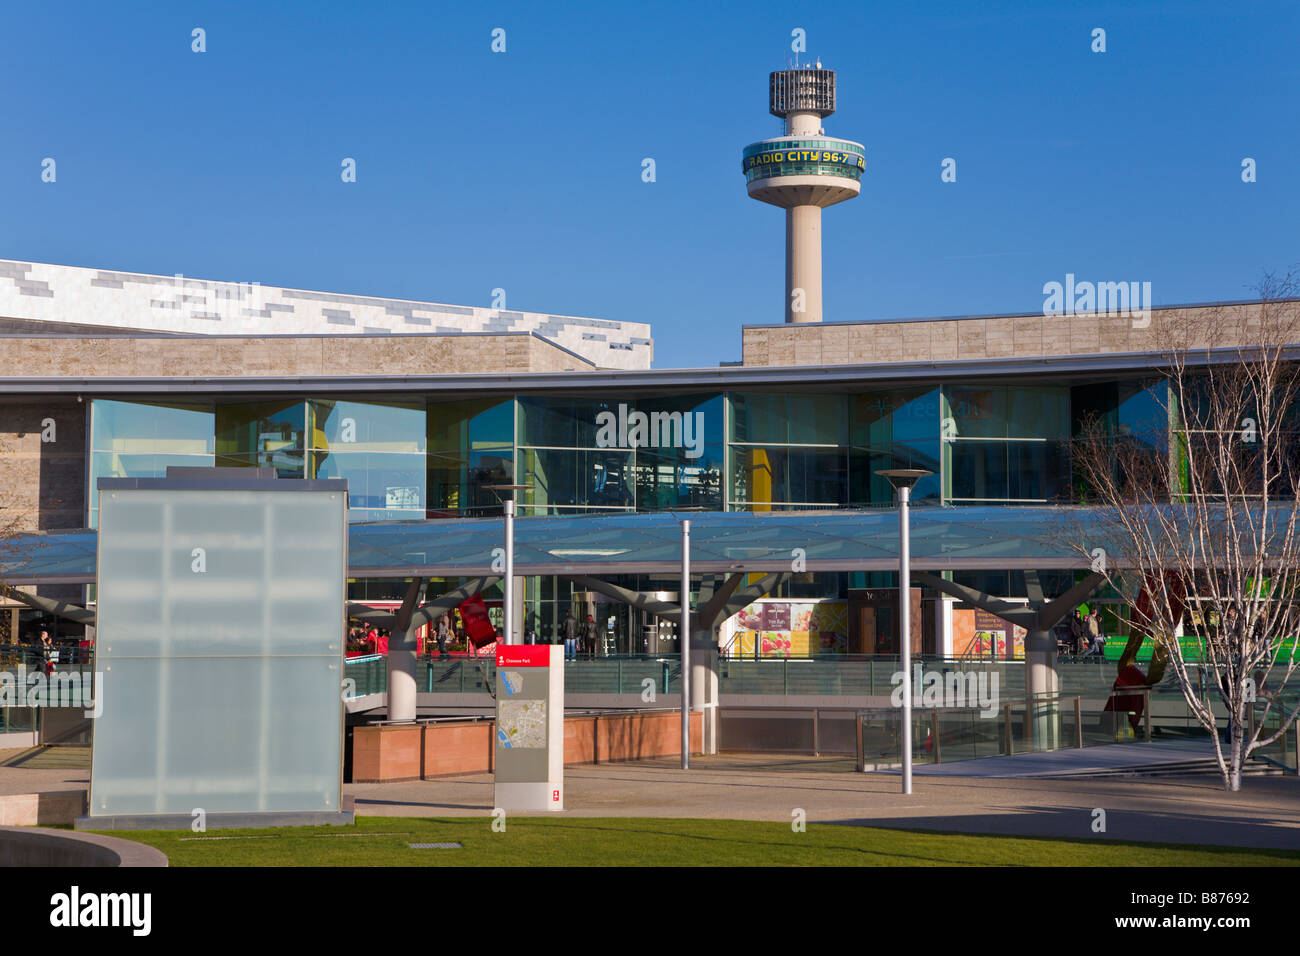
1028 703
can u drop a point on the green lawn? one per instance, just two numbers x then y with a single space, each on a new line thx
621 841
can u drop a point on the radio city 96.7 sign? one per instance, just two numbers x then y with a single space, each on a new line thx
775 159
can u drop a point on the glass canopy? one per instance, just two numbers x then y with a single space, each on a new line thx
943 538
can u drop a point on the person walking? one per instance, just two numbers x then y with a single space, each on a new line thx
442 635
569 631
48 654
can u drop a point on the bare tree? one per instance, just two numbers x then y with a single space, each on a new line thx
9 564
1207 532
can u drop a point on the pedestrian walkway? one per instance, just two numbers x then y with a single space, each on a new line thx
1107 758
1191 810
1182 810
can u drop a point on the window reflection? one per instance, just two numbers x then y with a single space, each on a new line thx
143 439
263 434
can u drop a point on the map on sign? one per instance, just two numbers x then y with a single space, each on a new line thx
521 723
513 682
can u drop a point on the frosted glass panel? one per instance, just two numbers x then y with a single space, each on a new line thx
220 643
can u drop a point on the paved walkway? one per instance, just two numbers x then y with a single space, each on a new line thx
1180 810
1185 810
37 770
1108 758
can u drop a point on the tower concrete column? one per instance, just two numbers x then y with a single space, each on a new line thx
803 264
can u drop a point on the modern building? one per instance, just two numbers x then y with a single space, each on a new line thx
989 404
48 299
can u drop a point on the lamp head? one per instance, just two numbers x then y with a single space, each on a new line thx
904 477
496 489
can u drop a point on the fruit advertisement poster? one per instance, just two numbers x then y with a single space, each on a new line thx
772 628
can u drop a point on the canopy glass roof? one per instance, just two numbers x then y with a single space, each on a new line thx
943 538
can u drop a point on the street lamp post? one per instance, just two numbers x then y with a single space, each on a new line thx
508 605
508 586
903 479
686 645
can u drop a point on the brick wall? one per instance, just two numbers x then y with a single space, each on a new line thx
387 754
210 356
993 337
42 482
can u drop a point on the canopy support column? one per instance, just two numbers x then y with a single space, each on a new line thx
1042 684
722 602
401 649
402 646
1038 618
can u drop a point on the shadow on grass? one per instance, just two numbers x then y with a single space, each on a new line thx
485 807
1202 831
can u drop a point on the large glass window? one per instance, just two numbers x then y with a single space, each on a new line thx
141 439
1010 470
759 418
1007 443
1134 416
789 419
668 479
680 462
471 445
263 434
788 451
561 422
379 448
868 489
575 479
893 429
623 452
788 477
1018 411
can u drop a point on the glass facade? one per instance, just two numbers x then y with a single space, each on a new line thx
261 435
139 440
379 448
800 450
578 453
471 445
594 452
1007 443
1132 415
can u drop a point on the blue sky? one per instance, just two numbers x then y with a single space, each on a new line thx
522 170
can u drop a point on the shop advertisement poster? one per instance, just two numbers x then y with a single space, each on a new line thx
787 629
979 634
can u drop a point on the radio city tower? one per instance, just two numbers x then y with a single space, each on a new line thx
802 172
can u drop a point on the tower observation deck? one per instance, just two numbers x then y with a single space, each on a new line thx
803 171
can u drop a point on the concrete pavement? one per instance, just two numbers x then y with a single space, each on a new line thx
1192 810
1181 810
